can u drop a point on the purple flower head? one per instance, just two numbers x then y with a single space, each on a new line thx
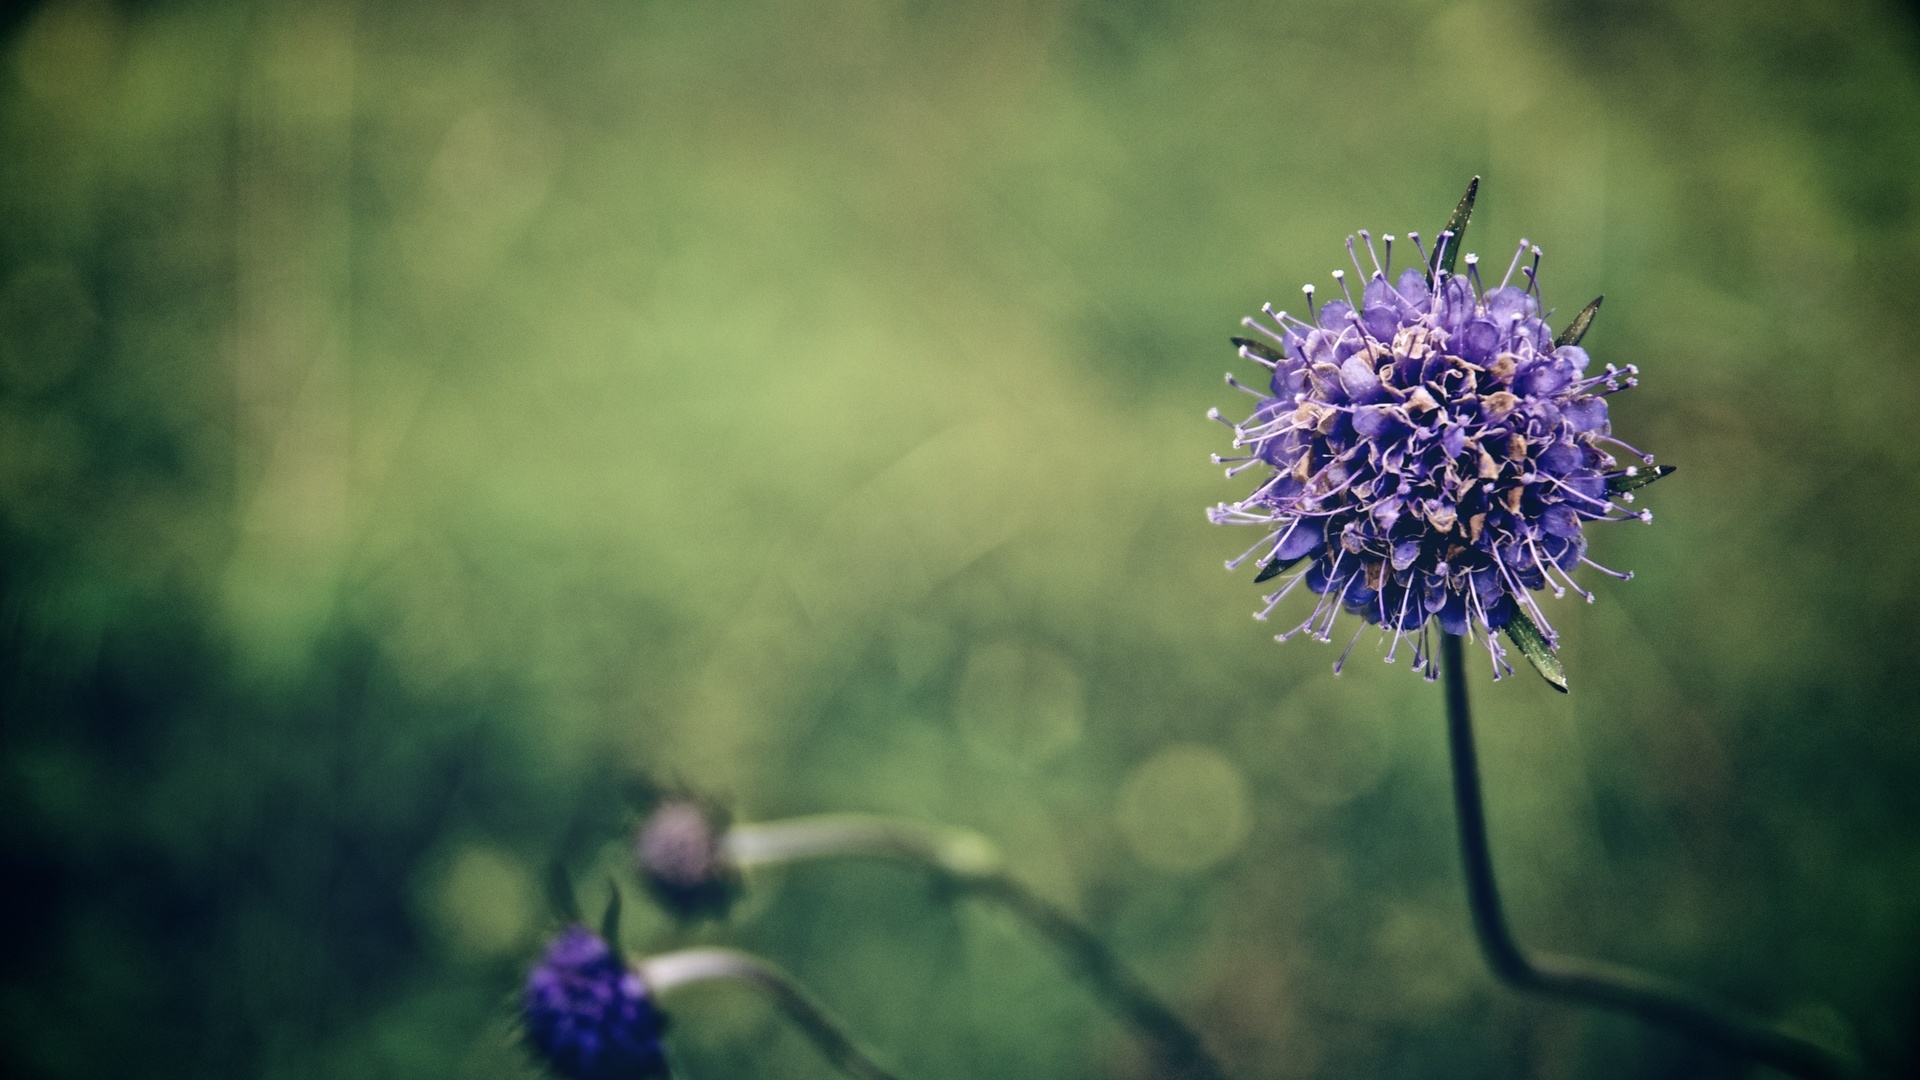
1431 452
588 1016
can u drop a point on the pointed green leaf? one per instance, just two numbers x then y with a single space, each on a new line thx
610 921
1577 329
1275 568
1260 349
1446 248
1635 478
560 894
1533 645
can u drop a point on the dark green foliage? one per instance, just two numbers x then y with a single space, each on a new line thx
1452 240
1577 329
1527 638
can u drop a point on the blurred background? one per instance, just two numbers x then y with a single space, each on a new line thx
422 422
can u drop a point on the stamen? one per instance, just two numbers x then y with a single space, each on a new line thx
1238 385
1342 662
1473 602
1623 575
1522 596
1311 616
1252 324
1273 600
1332 594
1341 277
1249 354
1574 585
1512 340
1498 657
1406 597
1388 268
1308 289
1234 563
1375 256
1635 451
1562 485
1519 251
1283 319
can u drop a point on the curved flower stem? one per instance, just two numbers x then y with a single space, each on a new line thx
969 863
670 971
1605 985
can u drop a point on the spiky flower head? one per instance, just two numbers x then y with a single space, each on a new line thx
588 1015
1431 452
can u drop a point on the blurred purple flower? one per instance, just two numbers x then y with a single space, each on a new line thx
1433 455
680 855
588 1016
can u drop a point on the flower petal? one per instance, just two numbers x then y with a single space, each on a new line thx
1586 414
1404 553
1560 521
1302 538
1412 288
1562 458
1336 315
1378 422
1478 340
1505 303
1357 377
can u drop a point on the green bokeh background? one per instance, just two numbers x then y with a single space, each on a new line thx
421 421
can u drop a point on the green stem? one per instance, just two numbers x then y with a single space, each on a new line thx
969 863
1605 985
669 971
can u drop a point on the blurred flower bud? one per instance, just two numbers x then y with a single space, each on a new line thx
679 853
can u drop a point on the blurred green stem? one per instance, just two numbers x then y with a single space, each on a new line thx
969 863
670 971
1605 985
